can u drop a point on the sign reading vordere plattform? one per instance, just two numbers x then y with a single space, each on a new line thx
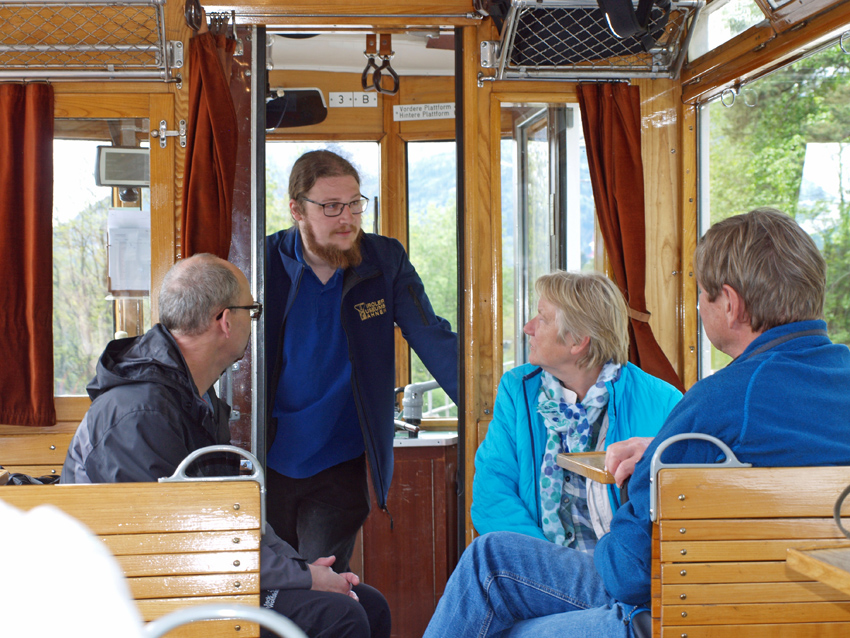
440 111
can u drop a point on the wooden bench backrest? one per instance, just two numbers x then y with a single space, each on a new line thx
178 544
720 546
35 451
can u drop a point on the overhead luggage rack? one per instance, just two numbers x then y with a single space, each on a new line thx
570 39
86 40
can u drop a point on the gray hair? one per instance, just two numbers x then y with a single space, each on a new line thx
193 291
588 304
769 261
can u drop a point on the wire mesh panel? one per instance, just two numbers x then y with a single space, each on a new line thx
564 39
80 38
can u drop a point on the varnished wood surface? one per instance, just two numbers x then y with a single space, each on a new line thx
158 507
750 529
751 492
588 464
830 566
801 630
743 614
660 111
410 554
182 542
727 572
41 449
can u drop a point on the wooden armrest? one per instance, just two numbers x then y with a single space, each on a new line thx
830 566
588 464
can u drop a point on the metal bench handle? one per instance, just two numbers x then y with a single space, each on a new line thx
257 474
656 465
266 618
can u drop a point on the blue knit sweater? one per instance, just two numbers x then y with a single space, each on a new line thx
786 406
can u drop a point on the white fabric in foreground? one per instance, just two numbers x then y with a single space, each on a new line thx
58 579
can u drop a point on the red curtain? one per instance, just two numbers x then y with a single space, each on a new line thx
26 255
211 148
610 115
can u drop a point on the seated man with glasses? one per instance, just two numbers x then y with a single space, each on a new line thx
153 403
333 296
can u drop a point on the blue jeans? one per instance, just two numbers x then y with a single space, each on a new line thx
510 585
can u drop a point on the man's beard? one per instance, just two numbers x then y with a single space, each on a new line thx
331 255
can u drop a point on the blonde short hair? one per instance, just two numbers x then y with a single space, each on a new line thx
589 305
769 261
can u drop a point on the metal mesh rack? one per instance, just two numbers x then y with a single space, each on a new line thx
106 40
569 39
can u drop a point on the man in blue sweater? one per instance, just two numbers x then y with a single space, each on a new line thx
783 401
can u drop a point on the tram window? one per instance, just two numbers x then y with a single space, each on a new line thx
86 313
281 155
548 217
432 241
721 21
784 141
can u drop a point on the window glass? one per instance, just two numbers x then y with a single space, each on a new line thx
547 210
432 240
721 21
785 142
280 156
86 312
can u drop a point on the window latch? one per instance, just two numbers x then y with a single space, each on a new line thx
163 133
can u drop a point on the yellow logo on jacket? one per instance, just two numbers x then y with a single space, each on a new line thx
371 309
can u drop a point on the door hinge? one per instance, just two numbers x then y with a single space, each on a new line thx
162 133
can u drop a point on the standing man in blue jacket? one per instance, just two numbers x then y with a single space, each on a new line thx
333 296
783 401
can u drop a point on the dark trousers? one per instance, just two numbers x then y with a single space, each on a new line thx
329 615
320 515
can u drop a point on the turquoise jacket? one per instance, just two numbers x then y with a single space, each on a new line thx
506 487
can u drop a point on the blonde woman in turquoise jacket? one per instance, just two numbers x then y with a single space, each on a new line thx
577 393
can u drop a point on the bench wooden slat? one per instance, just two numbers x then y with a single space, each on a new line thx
749 529
760 572
203 585
790 630
188 564
760 492
156 507
730 593
153 608
182 542
35 449
35 470
216 629
707 551
735 614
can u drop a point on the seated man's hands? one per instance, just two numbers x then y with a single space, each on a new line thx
326 579
622 456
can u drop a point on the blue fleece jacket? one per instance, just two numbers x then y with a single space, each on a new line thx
506 487
383 291
783 407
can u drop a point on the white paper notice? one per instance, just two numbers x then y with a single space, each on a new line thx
129 232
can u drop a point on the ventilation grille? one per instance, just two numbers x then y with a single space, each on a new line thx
83 40
560 39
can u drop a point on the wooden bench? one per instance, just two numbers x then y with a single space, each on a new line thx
40 451
719 554
179 543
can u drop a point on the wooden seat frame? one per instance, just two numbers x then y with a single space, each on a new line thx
179 544
719 549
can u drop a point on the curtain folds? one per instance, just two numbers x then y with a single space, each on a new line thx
610 115
211 148
26 257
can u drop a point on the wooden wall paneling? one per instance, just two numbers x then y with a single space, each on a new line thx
481 351
393 10
361 123
755 52
689 317
163 187
661 108
427 90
